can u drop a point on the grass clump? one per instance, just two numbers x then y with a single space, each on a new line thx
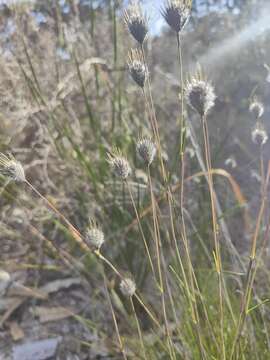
175 284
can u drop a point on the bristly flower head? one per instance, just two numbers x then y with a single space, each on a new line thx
200 94
119 164
259 134
256 107
146 150
94 236
128 287
176 13
136 22
11 168
137 67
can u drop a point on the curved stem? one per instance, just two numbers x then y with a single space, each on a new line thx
79 238
77 235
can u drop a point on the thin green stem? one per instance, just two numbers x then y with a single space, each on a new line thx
251 271
158 250
141 229
217 254
114 318
79 238
138 328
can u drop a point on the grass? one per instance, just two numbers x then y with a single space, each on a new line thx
197 295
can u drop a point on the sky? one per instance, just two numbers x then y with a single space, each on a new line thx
152 9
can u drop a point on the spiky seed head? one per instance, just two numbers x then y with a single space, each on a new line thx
119 164
94 236
259 134
136 22
128 287
230 161
256 108
200 94
137 68
146 150
176 13
11 168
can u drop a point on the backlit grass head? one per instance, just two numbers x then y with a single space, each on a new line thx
146 150
136 22
128 287
94 236
259 135
119 164
200 94
137 68
11 168
256 108
176 13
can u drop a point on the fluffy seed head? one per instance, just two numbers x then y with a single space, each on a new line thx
256 108
128 287
119 164
136 22
11 168
259 135
176 13
4 281
94 236
136 67
231 162
200 94
146 150
4 276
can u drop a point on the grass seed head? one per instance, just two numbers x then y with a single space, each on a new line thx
256 108
119 164
128 287
176 13
200 94
259 135
136 22
146 150
137 68
11 168
4 276
5 280
94 236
